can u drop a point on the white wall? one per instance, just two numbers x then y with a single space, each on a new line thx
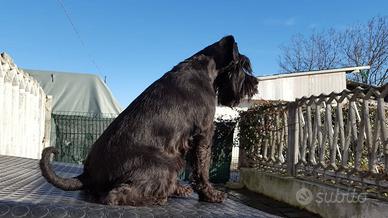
288 87
23 108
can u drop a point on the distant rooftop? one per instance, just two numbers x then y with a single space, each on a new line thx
315 72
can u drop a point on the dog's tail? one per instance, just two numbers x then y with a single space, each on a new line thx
67 184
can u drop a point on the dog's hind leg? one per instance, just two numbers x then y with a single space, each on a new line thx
124 194
127 195
148 182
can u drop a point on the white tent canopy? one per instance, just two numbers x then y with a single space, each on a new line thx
75 92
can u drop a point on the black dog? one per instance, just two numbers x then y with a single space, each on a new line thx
137 159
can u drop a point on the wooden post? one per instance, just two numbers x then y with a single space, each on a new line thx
293 136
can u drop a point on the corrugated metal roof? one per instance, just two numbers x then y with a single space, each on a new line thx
317 72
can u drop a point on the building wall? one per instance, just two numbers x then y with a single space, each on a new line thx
288 87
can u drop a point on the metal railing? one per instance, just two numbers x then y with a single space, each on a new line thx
73 133
340 138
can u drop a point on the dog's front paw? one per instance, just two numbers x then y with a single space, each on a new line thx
213 196
110 200
183 191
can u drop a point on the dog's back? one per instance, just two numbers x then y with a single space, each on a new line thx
158 123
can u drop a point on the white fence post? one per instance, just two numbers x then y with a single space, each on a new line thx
8 109
2 75
23 109
15 118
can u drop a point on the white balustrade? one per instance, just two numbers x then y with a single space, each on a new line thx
23 112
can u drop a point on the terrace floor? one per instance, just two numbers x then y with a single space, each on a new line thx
25 193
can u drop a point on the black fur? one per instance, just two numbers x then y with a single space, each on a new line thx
137 159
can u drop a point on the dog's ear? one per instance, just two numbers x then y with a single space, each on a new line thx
223 52
249 86
229 45
236 82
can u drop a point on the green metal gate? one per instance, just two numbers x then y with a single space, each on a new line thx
76 132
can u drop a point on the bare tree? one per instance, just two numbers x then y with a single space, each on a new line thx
318 52
368 45
356 46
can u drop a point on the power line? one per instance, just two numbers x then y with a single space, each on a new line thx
79 35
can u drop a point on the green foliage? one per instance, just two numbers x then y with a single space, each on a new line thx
256 124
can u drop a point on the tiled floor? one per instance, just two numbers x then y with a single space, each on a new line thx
25 193
267 204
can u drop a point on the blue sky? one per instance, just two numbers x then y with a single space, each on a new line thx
133 43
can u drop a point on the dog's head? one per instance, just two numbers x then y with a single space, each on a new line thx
234 79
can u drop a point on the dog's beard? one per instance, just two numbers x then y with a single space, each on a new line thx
235 82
